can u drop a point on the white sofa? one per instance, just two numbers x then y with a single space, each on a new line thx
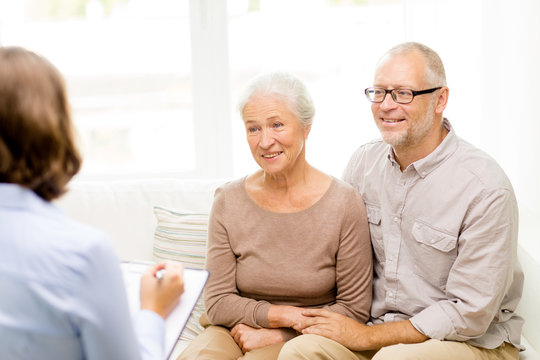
124 209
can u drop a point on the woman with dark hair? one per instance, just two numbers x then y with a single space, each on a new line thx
62 293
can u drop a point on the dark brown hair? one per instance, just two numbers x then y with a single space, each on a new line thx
37 148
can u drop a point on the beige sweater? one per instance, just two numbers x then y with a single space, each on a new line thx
318 257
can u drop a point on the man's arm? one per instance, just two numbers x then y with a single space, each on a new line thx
357 336
482 273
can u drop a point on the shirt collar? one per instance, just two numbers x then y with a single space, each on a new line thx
429 163
16 197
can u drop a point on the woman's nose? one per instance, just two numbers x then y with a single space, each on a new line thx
267 139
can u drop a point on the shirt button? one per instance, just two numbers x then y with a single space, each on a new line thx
432 241
396 219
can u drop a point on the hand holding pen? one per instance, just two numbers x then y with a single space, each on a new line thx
161 287
160 274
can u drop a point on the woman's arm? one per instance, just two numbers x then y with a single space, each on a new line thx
354 268
224 305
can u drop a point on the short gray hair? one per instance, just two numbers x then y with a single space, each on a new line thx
282 86
435 74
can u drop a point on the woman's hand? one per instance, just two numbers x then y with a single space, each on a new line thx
249 338
285 316
162 295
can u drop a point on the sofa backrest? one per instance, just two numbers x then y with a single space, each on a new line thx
124 208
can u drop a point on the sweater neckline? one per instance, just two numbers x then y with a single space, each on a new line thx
308 209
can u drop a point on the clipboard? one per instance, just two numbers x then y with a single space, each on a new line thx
194 281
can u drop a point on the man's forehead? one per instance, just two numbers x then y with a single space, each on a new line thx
400 70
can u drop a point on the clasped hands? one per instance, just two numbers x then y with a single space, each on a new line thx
337 327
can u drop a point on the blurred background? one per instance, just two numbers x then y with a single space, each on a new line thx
153 83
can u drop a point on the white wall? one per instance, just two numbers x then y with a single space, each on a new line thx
517 109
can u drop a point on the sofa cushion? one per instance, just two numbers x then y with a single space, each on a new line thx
182 236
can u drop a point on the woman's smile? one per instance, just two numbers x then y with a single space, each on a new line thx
272 155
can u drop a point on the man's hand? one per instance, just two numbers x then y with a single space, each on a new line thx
357 336
337 327
249 338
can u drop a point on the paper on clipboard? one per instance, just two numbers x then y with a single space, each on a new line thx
194 281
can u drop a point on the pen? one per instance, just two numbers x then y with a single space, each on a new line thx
160 274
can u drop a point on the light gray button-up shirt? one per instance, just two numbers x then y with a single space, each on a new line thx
444 234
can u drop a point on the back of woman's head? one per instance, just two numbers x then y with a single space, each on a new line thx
37 148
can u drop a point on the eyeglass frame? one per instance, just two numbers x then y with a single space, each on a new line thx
391 92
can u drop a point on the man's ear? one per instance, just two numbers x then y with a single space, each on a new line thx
442 100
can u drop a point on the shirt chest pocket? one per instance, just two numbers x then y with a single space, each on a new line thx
374 220
434 251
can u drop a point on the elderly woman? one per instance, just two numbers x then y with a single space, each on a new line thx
282 239
62 293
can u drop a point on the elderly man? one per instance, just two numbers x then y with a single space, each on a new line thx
444 222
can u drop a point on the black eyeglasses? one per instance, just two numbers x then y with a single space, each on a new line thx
401 96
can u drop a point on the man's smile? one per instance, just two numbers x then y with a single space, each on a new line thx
392 120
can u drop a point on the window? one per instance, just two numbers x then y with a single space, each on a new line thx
127 66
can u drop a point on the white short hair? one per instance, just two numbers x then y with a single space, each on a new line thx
282 86
434 72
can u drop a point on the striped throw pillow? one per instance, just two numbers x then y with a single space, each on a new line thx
182 236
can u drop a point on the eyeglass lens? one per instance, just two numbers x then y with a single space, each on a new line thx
398 95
